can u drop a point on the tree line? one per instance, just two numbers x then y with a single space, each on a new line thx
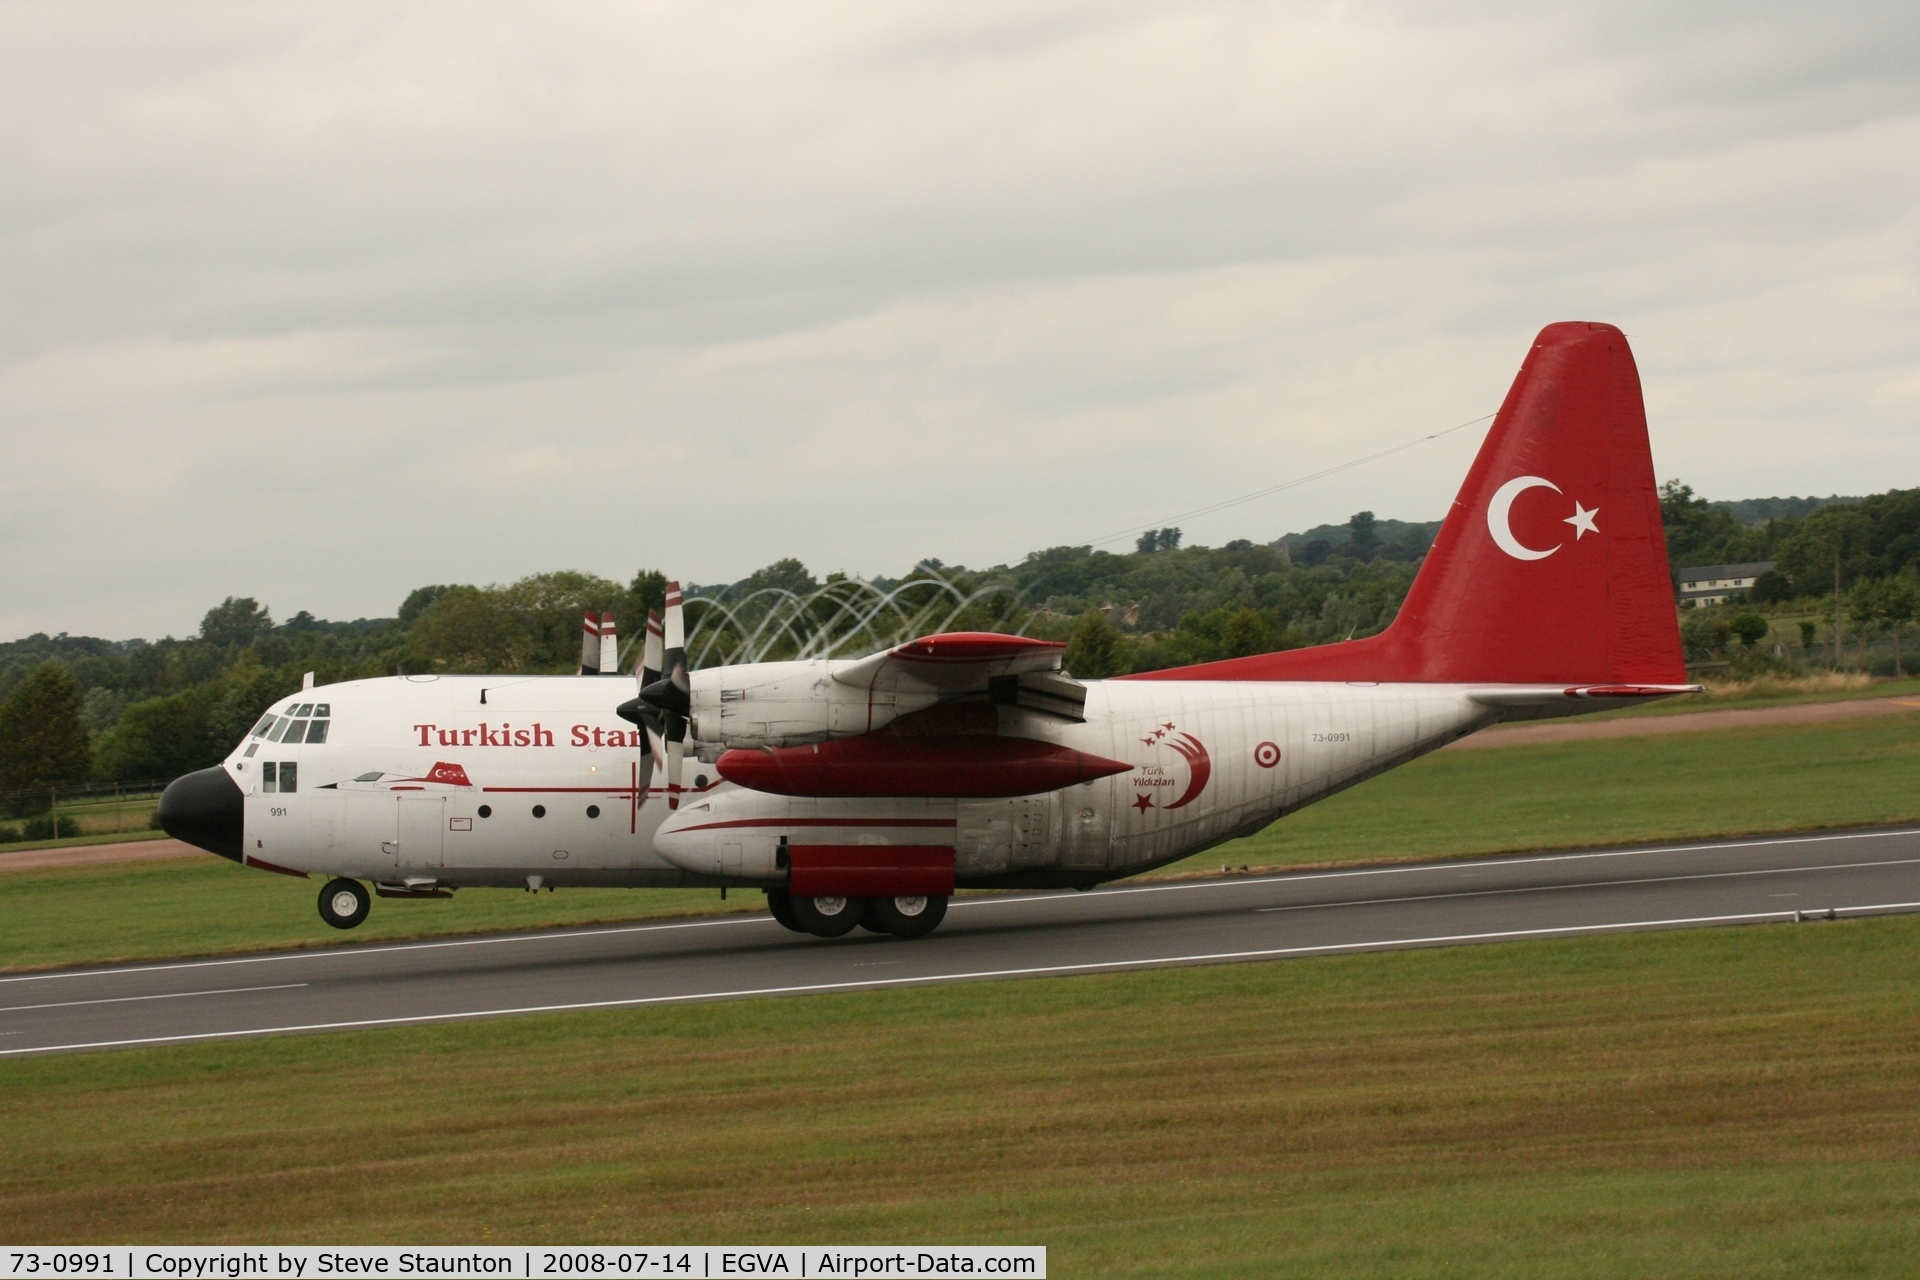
74 708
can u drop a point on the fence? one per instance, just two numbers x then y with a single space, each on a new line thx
48 813
1873 653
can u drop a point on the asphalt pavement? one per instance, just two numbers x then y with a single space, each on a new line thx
1808 879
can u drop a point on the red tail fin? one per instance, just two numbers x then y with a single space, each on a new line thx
1551 565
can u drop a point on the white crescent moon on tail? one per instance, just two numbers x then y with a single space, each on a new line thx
1501 508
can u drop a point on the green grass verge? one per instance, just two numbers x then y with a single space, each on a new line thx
85 838
1610 791
1606 791
205 905
1749 697
1731 1102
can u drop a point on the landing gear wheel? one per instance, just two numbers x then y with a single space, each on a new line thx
344 903
780 907
905 917
828 917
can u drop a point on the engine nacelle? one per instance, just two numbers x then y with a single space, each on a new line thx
790 704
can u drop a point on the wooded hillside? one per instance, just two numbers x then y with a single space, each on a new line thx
150 709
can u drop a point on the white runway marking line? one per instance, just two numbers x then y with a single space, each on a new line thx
1461 864
1591 884
166 995
341 953
1269 953
346 953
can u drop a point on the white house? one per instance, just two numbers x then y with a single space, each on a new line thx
1713 583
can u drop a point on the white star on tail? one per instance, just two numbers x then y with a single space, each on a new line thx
1582 520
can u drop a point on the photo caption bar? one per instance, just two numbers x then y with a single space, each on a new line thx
573 1262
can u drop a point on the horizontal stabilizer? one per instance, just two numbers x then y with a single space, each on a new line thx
1554 695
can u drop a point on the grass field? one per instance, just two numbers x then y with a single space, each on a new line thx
1454 803
1731 1102
1607 791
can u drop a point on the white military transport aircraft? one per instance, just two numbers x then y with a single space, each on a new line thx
864 792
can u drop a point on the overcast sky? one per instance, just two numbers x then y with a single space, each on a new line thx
318 303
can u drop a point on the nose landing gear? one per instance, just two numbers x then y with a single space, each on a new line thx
344 903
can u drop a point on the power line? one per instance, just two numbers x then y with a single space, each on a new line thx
1290 484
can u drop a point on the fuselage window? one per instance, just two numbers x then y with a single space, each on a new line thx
539 811
289 777
269 776
486 811
593 811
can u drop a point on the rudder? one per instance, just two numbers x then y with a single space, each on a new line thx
1551 565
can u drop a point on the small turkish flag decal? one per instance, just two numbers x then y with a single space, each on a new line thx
451 775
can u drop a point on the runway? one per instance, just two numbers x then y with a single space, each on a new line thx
1119 927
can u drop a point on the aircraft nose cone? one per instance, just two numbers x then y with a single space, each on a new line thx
204 809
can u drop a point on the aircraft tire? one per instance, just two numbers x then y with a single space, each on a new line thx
780 907
871 920
344 903
828 917
905 917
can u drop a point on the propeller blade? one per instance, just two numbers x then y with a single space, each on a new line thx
589 645
653 654
676 691
672 693
609 656
676 758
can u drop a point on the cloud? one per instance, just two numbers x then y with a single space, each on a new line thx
318 305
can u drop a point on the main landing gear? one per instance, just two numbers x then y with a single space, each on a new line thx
904 917
344 903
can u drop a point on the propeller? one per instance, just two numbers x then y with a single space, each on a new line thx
645 672
671 695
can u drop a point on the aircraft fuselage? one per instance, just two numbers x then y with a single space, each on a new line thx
458 781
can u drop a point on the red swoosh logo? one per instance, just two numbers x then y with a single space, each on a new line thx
1198 760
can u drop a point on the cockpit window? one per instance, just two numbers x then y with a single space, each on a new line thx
306 709
288 730
266 723
322 710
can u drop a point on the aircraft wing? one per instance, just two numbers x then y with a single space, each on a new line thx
955 663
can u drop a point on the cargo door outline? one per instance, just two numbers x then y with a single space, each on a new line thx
420 831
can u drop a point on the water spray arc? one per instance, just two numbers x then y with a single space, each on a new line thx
860 617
